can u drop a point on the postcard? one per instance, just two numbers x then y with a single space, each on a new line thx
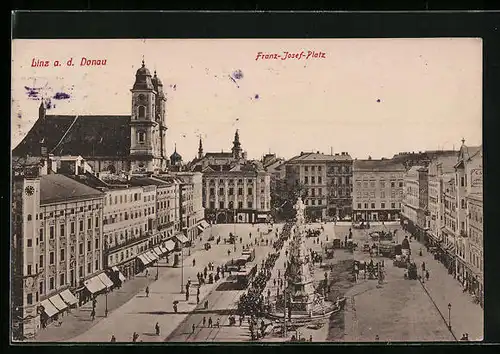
247 190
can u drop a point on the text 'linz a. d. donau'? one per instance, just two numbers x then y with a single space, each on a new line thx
35 62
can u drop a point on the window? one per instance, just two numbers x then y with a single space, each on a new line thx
373 206
382 184
249 204
80 228
382 205
240 191
240 205
221 191
41 261
51 258
141 137
62 254
62 229
72 228
29 269
382 194
221 205
462 203
41 235
61 279
231 191
306 168
462 182
319 168
51 283
313 180
96 243
80 271
96 221
393 205
249 191
29 217
40 287
400 184
30 242
313 202
393 184
29 299
306 180
80 248
89 267
313 192
212 191
313 168
212 205
366 205
320 202
359 205
51 232
89 223
319 191
97 264
141 111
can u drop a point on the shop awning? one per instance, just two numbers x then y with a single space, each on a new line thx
158 251
163 249
94 285
105 280
49 309
120 275
182 238
58 302
200 227
68 297
170 245
151 255
262 216
144 259
205 224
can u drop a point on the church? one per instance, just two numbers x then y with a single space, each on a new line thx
134 143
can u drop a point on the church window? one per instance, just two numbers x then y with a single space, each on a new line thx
141 111
141 136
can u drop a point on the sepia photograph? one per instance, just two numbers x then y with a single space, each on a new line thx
246 190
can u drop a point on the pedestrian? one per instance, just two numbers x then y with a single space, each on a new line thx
427 275
92 314
423 266
228 252
377 337
197 298
210 322
204 321
175 307
157 329
241 320
194 262
463 337
310 338
274 281
135 336
193 327
268 293
147 291
467 336
113 338
187 295
147 272
218 323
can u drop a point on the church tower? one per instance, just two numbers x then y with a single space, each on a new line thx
160 117
145 142
200 150
236 146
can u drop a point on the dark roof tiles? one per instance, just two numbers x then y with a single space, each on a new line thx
58 188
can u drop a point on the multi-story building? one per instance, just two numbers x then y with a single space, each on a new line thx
423 219
410 205
439 171
449 228
191 213
468 180
56 248
239 194
327 183
475 232
114 143
377 189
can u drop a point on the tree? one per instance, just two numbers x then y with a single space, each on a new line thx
283 198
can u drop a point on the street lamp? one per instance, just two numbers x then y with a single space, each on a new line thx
449 317
106 310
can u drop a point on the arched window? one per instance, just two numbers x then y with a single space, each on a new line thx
141 136
29 217
141 111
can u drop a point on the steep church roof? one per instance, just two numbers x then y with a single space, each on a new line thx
87 136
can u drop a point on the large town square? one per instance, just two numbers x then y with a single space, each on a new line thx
175 212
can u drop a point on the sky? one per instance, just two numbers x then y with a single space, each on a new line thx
367 97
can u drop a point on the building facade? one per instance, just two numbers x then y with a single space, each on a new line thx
327 183
135 142
377 190
57 246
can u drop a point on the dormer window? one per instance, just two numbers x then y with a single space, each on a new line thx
141 110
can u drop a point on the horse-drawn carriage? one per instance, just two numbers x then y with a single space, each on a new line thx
313 233
361 225
231 239
381 235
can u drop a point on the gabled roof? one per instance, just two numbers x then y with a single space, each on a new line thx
385 165
78 135
59 188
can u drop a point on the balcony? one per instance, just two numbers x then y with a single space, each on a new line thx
130 241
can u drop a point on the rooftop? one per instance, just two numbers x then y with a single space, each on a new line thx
317 156
384 165
58 188
78 135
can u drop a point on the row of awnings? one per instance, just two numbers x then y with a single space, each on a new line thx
157 252
58 303
98 283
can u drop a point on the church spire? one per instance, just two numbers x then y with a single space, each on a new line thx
200 149
236 145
